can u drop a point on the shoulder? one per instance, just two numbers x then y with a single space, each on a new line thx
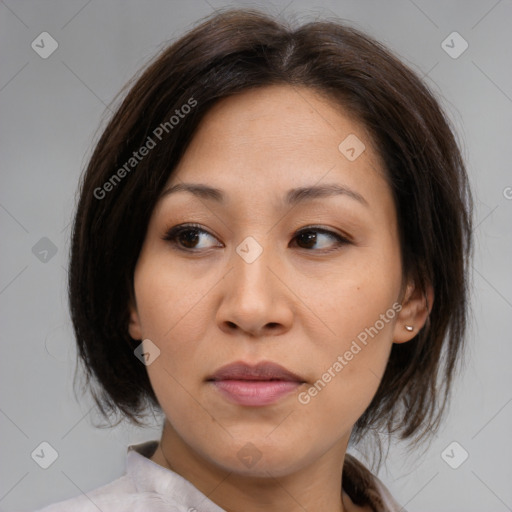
110 497
144 486
118 496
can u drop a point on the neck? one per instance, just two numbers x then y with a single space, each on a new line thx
316 486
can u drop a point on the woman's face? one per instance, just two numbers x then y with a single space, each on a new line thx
308 280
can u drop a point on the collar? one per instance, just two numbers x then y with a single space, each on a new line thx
148 477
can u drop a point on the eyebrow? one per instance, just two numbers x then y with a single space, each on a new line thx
292 197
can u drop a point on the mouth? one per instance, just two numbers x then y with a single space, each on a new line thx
254 385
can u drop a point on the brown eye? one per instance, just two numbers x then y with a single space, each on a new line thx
187 237
308 238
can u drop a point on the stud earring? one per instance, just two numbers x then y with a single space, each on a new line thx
409 328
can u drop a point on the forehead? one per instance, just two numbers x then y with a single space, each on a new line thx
279 137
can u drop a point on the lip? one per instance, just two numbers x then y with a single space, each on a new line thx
255 385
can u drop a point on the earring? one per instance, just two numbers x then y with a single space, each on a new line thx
409 328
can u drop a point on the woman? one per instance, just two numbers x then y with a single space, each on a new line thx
270 248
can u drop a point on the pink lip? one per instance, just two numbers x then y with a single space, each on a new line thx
262 384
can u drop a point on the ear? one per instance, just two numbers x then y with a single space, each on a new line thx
134 326
416 306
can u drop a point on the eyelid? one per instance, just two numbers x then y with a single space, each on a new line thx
326 231
172 233
341 239
188 225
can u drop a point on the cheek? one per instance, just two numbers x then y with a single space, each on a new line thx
169 300
360 309
348 375
348 300
174 314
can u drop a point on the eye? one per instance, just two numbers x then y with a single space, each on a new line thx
186 237
311 236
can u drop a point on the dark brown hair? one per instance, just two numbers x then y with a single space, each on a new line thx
231 52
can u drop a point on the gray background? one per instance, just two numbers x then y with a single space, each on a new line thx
50 111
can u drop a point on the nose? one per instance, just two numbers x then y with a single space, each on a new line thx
255 300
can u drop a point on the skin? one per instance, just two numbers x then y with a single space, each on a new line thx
298 304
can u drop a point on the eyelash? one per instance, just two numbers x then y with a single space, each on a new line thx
174 233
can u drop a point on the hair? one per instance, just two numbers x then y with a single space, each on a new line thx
226 54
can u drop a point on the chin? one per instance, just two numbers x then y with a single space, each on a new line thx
260 459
